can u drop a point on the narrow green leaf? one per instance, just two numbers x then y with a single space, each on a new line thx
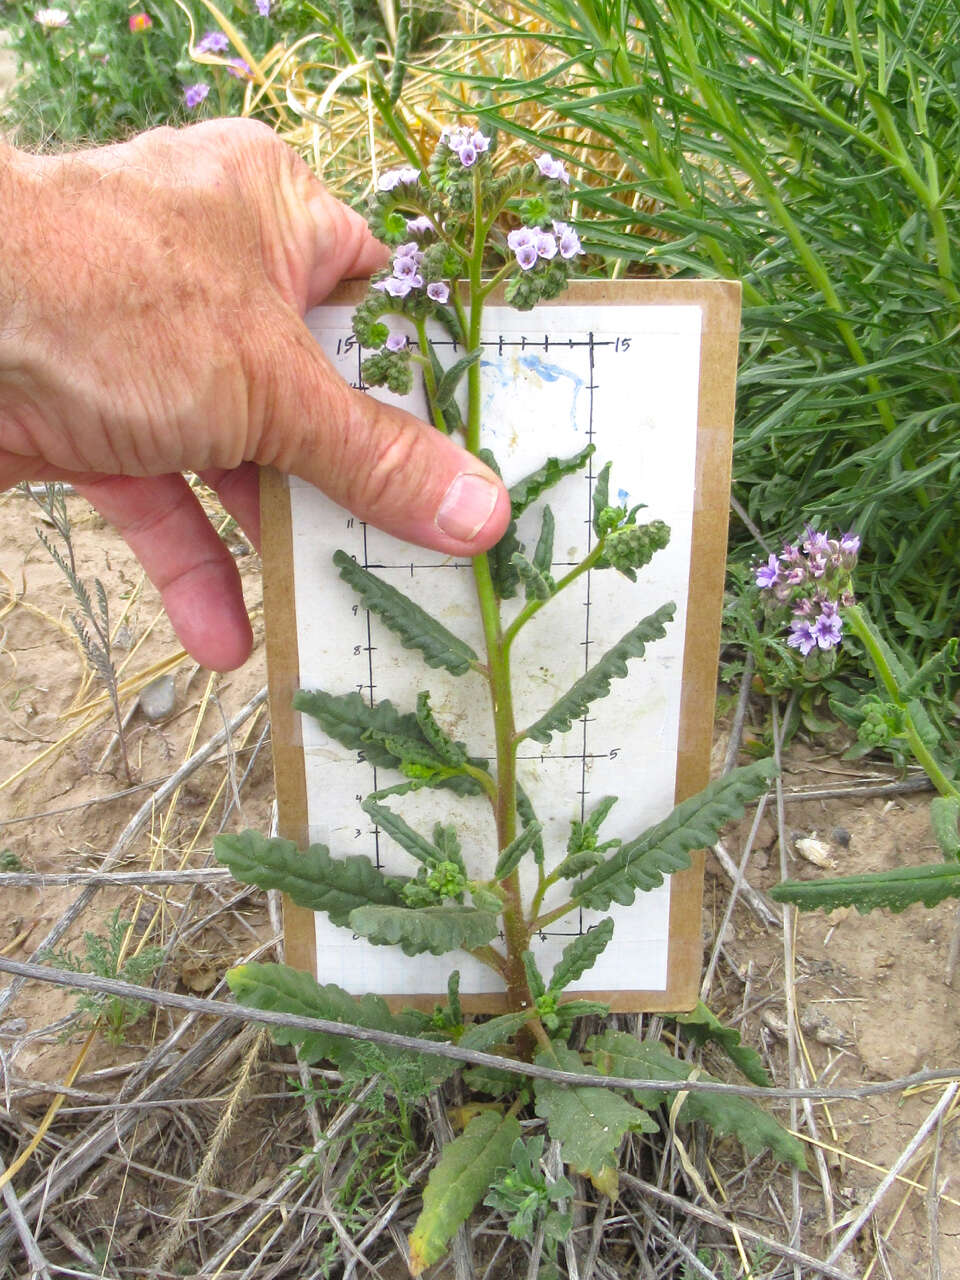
450 380
504 575
401 831
534 977
511 855
589 1123
484 1035
447 844
415 627
895 890
543 556
286 990
407 751
527 816
453 419
418 929
944 812
311 877
581 954
535 585
457 1183
940 664
452 753
615 1053
703 1026
596 682
641 864
601 497
553 470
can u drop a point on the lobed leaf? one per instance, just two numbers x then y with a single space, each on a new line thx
311 877
511 855
504 575
543 556
595 683
458 1181
615 1053
588 1122
895 890
601 497
553 470
416 628
450 379
451 752
418 929
581 954
535 585
484 1035
400 831
641 864
527 816
703 1026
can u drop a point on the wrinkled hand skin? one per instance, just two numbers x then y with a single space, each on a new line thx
151 304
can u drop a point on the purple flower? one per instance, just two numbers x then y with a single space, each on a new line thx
816 564
828 629
850 544
396 341
237 67
801 636
551 168
468 154
438 291
404 268
816 543
546 245
421 226
410 250
795 576
468 144
398 177
803 608
396 287
767 574
521 238
791 554
50 18
568 240
194 94
213 42
527 256
263 8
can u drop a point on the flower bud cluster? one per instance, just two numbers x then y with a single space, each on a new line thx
634 545
812 580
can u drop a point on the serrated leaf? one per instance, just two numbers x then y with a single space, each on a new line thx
311 877
553 470
450 379
596 682
571 1009
401 831
703 1026
944 812
894 890
588 1122
535 585
415 930
408 751
511 855
484 1035
457 1183
543 556
286 990
581 954
601 497
642 863
617 1054
451 752
416 628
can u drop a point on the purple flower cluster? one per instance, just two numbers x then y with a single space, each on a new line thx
398 177
194 94
468 144
213 42
814 580
529 244
406 276
552 168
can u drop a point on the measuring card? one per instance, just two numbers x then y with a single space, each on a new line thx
645 371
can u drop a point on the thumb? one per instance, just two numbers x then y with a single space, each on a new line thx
380 462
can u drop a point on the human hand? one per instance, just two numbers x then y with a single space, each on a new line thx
151 304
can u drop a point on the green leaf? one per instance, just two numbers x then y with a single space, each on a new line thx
534 977
703 1026
595 683
312 878
641 864
543 556
944 812
433 929
588 1122
581 954
447 844
617 1054
511 855
415 627
527 816
481 1036
601 498
553 470
940 664
504 575
895 890
410 753
400 831
451 377
452 753
451 411
457 1183
286 990
535 585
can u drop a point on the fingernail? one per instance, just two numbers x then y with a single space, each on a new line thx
467 506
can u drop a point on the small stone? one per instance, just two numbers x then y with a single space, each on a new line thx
13 1027
766 834
158 698
124 638
840 836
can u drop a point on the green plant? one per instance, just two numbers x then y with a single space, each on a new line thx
444 223
808 149
105 955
